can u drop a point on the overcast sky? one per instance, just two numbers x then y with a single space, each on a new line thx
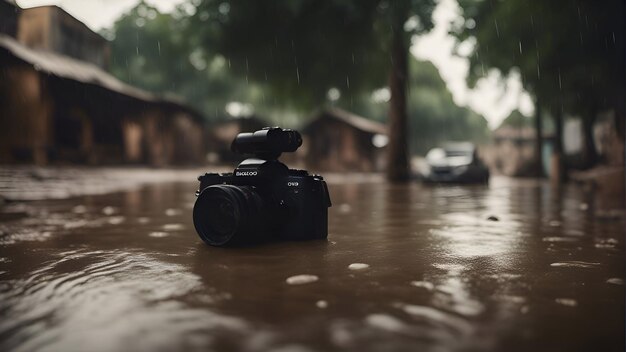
492 97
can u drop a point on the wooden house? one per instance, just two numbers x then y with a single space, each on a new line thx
54 108
9 15
337 140
52 29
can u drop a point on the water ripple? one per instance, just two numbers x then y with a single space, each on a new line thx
90 299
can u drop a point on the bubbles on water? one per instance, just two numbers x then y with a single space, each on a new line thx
605 243
345 208
109 210
454 296
340 335
143 220
386 322
505 277
512 299
173 227
358 266
173 212
559 239
615 281
452 268
554 223
569 302
458 324
74 224
158 234
322 304
301 279
79 209
423 284
23 235
116 220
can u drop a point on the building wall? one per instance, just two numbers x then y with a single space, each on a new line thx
336 146
159 137
51 28
9 15
25 115
187 139
33 29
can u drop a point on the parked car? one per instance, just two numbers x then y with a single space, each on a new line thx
456 163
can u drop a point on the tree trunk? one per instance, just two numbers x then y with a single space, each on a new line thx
397 154
557 174
590 152
619 119
539 139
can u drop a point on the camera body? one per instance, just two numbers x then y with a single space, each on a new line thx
262 199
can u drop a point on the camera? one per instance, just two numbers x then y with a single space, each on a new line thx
262 200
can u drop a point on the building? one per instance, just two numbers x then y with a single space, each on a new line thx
337 140
52 29
9 15
57 104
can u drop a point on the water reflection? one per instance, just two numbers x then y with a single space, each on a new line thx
406 267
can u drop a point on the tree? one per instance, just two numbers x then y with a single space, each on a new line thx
433 117
569 54
304 48
156 52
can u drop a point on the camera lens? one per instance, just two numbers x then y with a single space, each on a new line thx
226 214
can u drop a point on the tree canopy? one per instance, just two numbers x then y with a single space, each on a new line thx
570 54
571 49
301 49
169 53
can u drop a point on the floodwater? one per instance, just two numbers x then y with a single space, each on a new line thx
514 266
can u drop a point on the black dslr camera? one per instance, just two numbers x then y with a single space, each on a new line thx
262 199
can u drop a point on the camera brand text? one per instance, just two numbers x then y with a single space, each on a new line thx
246 173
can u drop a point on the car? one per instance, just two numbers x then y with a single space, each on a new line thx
456 163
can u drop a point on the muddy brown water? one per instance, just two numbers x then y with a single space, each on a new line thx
126 271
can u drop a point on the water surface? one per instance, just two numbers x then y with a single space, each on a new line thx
510 266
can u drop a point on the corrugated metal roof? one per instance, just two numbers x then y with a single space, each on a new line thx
73 69
360 123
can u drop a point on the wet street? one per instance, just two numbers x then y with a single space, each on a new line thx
513 266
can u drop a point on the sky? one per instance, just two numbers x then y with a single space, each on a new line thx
492 97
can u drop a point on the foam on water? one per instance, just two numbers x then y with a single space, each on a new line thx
301 279
569 302
423 284
575 264
158 234
358 266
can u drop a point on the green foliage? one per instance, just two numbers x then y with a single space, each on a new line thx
301 49
569 53
434 117
156 52
517 119
202 57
